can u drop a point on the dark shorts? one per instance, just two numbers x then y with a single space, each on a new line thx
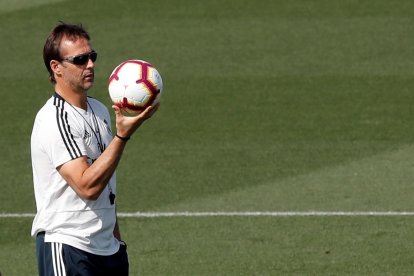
61 259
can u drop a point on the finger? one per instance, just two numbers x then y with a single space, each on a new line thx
154 109
116 109
146 112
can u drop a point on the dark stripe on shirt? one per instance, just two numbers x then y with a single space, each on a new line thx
64 128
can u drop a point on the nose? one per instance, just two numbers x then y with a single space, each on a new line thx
90 63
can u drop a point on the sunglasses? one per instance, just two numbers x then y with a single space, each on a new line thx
82 59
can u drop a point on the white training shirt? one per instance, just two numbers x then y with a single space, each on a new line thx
61 133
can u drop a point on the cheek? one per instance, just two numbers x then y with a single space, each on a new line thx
73 75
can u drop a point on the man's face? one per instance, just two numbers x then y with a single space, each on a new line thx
79 77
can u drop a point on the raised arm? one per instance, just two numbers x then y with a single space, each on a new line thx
89 181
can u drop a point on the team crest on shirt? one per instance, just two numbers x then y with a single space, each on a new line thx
86 134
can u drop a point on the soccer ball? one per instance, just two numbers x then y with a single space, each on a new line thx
134 85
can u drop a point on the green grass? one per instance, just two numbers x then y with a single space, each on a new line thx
268 106
247 246
7 6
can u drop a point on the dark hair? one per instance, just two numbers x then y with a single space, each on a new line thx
51 50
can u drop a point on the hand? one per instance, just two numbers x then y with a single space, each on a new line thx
126 125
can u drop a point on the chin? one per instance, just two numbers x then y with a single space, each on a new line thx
87 86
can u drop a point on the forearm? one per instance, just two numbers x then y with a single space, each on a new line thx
90 180
97 176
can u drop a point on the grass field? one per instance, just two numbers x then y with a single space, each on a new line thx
269 106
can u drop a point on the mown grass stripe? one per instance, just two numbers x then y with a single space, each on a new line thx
242 214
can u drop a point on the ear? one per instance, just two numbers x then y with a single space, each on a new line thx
56 67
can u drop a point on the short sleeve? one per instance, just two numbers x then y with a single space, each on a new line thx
61 138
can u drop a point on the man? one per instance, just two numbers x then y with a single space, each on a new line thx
74 158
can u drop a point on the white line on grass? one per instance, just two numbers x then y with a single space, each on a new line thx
16 215
260 214
238 214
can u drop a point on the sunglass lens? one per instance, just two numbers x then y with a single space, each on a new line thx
81 60
93 56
